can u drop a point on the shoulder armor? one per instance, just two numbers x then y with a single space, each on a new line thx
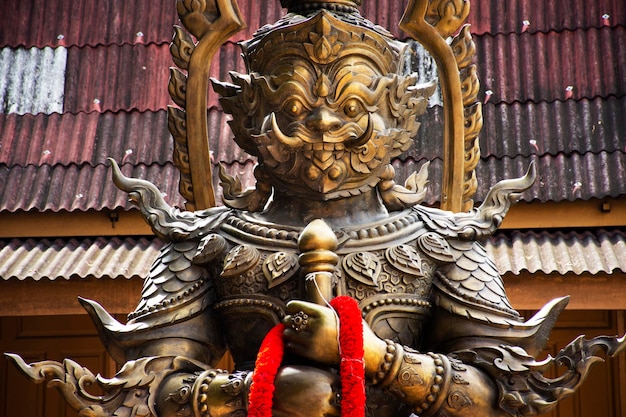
473 282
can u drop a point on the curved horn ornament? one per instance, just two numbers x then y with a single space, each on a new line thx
277 134
483 221
365 136
167 222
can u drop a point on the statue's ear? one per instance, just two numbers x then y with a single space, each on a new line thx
224 89
230 94
238 100
411 102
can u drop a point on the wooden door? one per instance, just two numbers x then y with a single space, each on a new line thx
603 394
46 338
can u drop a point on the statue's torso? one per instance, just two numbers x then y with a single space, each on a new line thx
381 265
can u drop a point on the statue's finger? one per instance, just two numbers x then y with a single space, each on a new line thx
297 305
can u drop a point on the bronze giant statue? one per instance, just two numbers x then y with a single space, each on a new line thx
276 274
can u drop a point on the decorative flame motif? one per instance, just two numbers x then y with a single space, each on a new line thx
325 47
364 267
279 267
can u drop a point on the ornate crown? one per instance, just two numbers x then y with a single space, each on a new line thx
322 37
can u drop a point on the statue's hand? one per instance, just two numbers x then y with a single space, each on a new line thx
303 391
311 332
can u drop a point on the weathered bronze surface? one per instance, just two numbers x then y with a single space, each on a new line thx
327 102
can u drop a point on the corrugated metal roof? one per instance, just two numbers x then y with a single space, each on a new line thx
510 66
550 128
99 258
85 138
517 16
509 130
114 105
68 152
561 177
595 252
563 253
526 67
32 80
95 81
127 77
550 66
120 22
78 187
86 22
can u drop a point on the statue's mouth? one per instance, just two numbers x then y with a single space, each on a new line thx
323 146
327 163
349 135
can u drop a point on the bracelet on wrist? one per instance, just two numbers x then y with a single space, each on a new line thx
390 366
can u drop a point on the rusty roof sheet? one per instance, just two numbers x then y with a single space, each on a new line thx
598 252
78 187
509 130
514 68
113 78
549 66
114 107
551 128
68 153
83 23
150 21
85 138
66 259
528 67
54 188
601 251
559 178
518 16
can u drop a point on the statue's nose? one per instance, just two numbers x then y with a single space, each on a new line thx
323 119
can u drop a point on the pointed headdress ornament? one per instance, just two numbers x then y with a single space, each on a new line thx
299 6
322 36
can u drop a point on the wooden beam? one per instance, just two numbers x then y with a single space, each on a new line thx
580 214
610 212
60 297
587 292
73 224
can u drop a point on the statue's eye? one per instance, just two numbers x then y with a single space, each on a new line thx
293 107
352 108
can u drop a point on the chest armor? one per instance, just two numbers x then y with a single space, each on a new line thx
380 265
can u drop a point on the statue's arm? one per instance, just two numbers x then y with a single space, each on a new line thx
299 391
429 383
480 378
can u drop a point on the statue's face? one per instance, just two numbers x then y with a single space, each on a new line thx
324 107
323 128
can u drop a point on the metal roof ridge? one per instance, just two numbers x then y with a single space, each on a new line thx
578 153
548 32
